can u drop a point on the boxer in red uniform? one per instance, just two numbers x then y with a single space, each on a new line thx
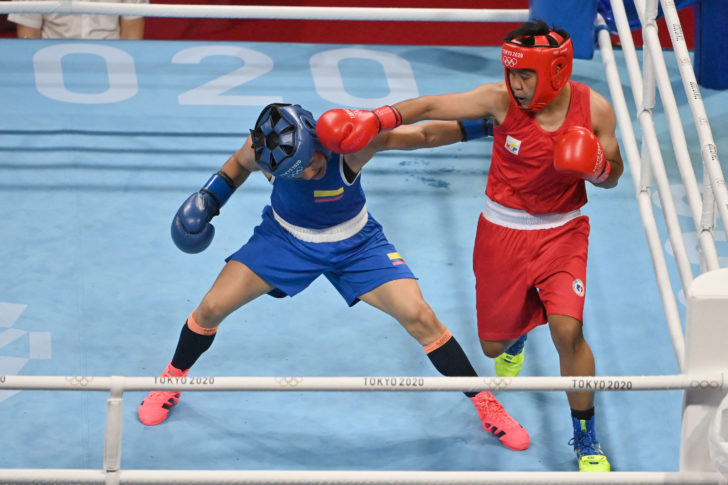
551 135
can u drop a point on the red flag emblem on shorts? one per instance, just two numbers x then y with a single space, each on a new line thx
395 258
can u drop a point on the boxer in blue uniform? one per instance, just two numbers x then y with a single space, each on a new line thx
316 224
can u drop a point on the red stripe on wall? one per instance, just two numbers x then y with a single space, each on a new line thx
354 32
339 32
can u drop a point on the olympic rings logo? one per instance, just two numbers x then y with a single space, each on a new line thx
498 383
79 381
289 382
704 384
509 62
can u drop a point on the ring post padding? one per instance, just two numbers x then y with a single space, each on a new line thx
578 17
705 323
711 56
718 438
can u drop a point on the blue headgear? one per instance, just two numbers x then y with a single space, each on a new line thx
284 139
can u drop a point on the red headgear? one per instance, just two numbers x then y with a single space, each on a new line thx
551 61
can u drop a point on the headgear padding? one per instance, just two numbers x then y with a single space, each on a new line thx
550 55
284 139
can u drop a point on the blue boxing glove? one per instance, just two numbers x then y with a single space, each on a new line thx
191 228
473 130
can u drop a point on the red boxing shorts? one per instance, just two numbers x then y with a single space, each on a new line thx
521 276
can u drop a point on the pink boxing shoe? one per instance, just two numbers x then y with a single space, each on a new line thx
498 422
155 407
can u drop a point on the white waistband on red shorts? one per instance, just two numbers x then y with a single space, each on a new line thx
335 233
519 219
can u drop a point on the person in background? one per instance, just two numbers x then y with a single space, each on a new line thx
78 26
530 254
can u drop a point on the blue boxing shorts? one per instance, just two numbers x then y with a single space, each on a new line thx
354 266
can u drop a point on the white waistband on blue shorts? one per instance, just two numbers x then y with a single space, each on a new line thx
335 233
519 219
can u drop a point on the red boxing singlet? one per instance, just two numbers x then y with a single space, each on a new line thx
522 175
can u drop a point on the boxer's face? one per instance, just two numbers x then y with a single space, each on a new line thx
316 169
523 84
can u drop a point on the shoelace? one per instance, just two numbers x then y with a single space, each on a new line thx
517 347
491 407
585 444
160 395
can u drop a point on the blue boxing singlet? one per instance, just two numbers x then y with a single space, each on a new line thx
319 204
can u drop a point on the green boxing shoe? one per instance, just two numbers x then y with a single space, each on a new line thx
509 363
588 452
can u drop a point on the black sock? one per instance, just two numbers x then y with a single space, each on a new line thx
190 347
583 415
450 360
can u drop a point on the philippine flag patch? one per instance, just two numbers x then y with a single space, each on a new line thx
513 145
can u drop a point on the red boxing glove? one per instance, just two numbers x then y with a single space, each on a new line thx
578 152
350 130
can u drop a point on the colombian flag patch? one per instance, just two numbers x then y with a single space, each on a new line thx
395 258
328 195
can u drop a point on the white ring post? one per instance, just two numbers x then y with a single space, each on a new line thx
705 349
114 424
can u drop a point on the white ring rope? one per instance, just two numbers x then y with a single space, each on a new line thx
270 12
599 383
299 477
117 385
